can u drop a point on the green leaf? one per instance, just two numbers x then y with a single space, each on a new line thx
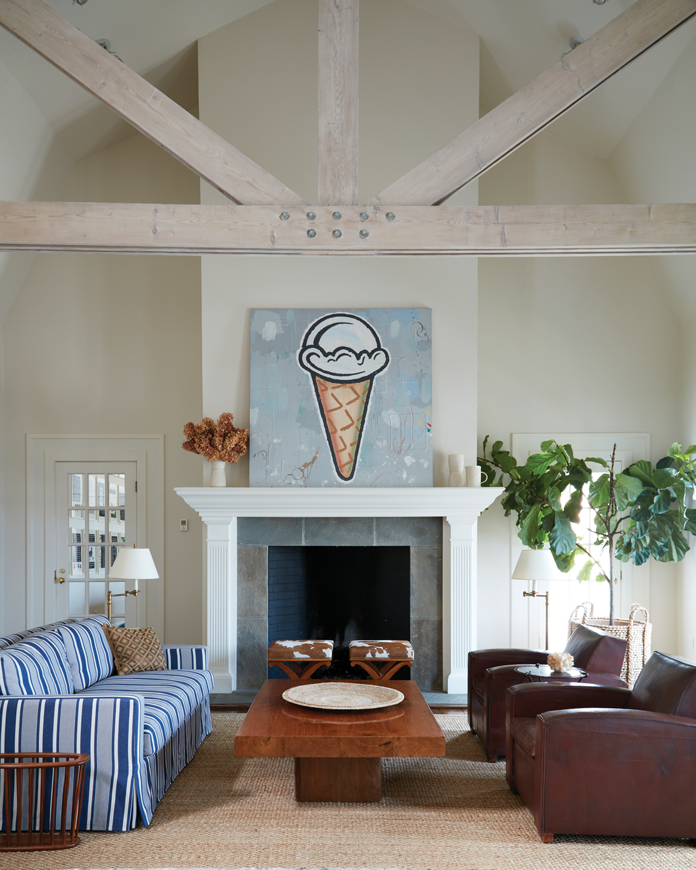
600 491
662 501
632 486
690 525
642 469
545 446
564 562
584 573
562 538
538 463
664 477
554 499
569 450
573 506
598 461
678 547
529 529
665 462
497 445
675 451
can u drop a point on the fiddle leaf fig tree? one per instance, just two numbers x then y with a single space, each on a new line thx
636 514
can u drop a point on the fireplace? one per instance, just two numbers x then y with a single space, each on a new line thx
339 594
402 556
242 522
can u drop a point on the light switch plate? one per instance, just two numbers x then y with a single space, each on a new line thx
183 525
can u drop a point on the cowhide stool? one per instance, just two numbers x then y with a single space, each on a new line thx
300 658
381 659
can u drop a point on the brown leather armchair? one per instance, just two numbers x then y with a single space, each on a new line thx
596 760
492 671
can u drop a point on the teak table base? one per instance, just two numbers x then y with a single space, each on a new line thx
337 754
352 780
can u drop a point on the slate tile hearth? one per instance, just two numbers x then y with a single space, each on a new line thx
423 535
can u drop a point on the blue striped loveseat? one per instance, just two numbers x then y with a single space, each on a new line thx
58 694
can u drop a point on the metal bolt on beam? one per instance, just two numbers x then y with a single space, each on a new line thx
285 216
311 233
390 215
337 215
337 234
364 234
310 216
364 216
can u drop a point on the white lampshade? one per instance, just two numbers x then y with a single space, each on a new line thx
133 564
535 565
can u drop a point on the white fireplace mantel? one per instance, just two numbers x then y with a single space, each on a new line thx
459 507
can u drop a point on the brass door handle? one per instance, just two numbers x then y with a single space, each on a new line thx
60 579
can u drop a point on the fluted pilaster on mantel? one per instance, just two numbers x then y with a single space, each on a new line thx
459 507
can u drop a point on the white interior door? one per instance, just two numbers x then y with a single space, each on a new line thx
95 516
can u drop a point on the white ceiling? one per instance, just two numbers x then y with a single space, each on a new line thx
520 38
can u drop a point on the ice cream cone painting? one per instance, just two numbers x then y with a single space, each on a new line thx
343 354
341 398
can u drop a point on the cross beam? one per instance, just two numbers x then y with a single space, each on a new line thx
535 106
375 230
142 105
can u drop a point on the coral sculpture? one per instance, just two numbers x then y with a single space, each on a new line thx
220 441
562 661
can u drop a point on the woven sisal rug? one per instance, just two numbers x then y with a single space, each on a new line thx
454 812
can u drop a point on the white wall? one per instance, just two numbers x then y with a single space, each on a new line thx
654 162
418 88
582 344
33 165
111 345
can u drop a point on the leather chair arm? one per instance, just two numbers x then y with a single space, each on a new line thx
482 659
613 721
530 699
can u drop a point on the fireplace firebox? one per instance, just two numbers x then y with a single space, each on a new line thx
340 594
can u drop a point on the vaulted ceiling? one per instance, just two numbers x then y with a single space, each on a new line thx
519 39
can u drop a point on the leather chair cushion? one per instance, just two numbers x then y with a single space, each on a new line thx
523 732
667 684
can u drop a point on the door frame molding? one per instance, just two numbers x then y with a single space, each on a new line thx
43 451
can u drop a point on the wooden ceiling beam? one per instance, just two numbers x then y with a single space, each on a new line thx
540 230
539 103
142 105
338 102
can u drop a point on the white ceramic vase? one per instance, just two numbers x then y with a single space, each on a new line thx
217 473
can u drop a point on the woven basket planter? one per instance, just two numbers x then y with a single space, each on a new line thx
638 635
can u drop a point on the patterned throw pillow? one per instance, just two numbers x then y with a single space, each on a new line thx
36 666
135 649
89 653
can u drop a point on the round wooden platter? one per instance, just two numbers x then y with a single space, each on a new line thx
343 696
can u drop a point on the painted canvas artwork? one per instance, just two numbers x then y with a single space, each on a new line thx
341 397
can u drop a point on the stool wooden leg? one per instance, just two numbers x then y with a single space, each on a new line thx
297 671
384 670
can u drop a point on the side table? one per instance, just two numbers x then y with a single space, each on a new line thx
544 674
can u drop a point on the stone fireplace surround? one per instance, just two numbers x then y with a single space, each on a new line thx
235 551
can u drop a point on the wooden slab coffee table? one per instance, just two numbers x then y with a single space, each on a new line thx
337 754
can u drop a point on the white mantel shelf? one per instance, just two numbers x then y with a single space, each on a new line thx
422 501
459 507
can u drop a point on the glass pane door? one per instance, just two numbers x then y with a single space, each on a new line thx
95 517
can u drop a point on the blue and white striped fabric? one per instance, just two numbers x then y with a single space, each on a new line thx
88 651
28 632
36 666
171 697
185 657
140 731
108 729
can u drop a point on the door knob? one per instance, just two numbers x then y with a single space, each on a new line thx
60 579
